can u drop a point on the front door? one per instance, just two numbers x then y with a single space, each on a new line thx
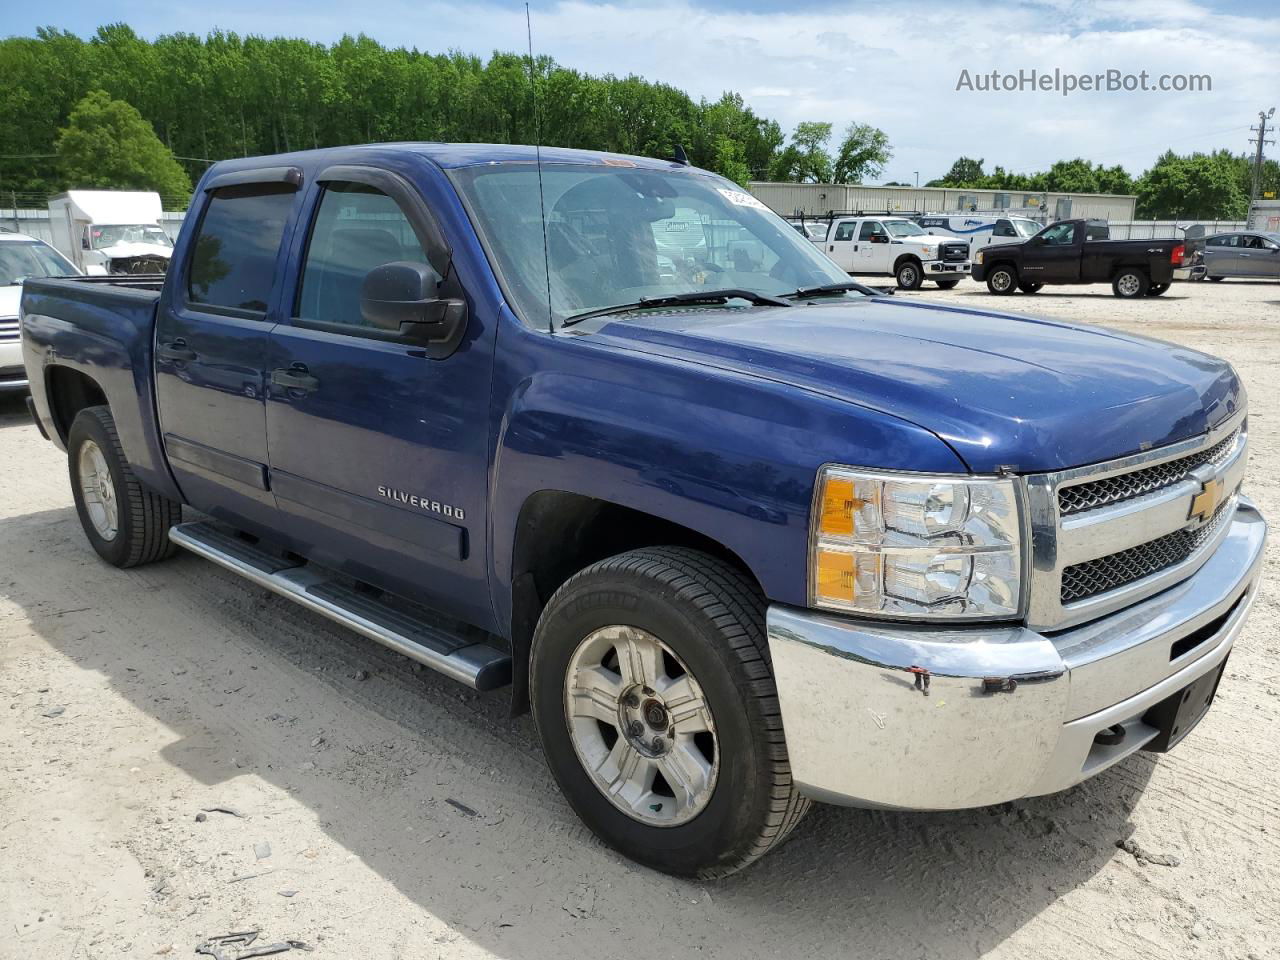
378 452
873 253
211 344
1053 254
1258 257
841 244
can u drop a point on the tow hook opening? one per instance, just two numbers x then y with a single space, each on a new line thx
1110 737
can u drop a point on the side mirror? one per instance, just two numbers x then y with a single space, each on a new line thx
879 238
404 298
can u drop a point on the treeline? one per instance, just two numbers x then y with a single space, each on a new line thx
1201 186
224 95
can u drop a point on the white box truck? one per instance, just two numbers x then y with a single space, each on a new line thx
110 231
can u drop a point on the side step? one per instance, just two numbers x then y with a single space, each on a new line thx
417 635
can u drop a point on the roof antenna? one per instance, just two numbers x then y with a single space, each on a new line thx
681 157
537 147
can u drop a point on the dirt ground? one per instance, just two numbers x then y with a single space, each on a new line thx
383 812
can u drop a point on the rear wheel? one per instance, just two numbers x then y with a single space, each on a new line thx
946 284
1002 280
654 699
1130 283
126 524
1027 287
1156 289
909 275
1215 279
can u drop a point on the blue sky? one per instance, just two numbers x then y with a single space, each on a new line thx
894 64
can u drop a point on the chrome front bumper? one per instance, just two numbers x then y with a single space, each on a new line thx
891 715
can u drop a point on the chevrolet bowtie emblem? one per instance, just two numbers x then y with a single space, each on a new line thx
1205 503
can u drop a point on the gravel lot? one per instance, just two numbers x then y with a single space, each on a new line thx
405 817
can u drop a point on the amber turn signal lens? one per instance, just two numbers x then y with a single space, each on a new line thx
838 505
835 575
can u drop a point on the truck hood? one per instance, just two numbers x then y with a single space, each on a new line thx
1003 391
123 251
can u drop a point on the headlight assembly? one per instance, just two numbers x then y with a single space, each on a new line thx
910 546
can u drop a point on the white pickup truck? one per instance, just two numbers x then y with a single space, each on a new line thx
897 246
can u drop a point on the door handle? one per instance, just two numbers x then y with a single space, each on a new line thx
295 377
176 351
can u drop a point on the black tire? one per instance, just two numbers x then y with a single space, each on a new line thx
1002 280
1130 284
909 275
143 518
712 617
1027 287
946 284
1156 289
1215 279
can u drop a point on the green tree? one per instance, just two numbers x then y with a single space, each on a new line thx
805 158
1200 186
965 172
863 154
106 143
1071 176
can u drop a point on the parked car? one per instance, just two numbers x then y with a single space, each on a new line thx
21 257
1080 251
1247 254
981 230
896 246
742 538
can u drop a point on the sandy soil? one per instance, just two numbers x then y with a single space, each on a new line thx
410 818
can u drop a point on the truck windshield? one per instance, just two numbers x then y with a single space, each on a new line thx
620 234
903 228
1026 228
109 235
19 260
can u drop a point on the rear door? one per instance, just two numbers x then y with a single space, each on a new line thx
842 243
1053 255
1220 255
211 344
378 453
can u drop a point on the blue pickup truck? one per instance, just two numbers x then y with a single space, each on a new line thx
742 534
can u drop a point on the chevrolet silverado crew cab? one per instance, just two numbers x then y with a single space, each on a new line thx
1080 251
895 246
743 533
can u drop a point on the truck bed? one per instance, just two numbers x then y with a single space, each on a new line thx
103 327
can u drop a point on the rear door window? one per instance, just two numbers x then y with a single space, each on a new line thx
233 259
844 231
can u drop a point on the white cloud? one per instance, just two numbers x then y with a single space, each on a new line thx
892 64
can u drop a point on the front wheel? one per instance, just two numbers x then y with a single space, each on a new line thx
946 284
126 524
909 275
654 699
1130 284
1027 287
1002 281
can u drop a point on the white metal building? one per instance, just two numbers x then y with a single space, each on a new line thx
816 199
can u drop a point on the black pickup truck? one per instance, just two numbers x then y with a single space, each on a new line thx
1079 251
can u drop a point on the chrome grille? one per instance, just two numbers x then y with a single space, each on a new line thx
1129 486
9 329
955 251
1084 580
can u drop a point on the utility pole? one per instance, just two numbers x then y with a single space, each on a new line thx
1261 140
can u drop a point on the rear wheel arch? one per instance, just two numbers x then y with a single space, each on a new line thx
68 392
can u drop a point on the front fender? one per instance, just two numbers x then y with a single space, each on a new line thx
725 454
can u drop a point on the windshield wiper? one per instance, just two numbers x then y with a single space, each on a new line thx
843 287
693 296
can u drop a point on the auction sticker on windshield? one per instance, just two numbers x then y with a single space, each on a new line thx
740 199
